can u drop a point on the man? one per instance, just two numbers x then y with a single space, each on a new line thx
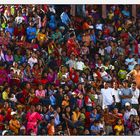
14 124
115 93
130 62
80 64
129 111
135 96
31 32
125 94
65 18
71 63
32 60
108 98
10 29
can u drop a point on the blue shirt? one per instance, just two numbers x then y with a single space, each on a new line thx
65 18
125 92
29 32
126 13
95 117
10 30
53 100
95 128
93 38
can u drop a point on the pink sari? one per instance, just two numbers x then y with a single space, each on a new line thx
32 121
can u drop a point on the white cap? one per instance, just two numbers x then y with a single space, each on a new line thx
13 113
22 128
4 132
127 104
73 93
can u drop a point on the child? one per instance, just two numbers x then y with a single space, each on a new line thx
51 128
119 128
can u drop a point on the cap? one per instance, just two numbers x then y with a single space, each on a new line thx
22 128
13 113
4 132
127 104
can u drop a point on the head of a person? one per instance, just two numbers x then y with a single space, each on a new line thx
128 106
14 115
28 86
134 86
40 87
115 85
115 111
31 23
125 83
131 118
94 111
58 109
119 122
106 85
68 109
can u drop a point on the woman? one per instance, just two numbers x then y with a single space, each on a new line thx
67 118
5 94
119 128
40 92
27 76
9 57
37 74
136 126
16 75
33 118
41 37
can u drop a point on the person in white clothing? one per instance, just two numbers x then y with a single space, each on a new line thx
71 63
2 58
135 96
32 60
108 99
19 19
116 93
105 76
129 111
130 62
79 64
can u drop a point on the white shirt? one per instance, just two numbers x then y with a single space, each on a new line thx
101 52
135 97
19 20
128 113
107 96
71 63
132 61
2 56
103 74
99 26
32 61
80 65
116 94
108 49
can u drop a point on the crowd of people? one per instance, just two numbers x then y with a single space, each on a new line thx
67 75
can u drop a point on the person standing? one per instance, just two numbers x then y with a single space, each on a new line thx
125 94
108 98
135 96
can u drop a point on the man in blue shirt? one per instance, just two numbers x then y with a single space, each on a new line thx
31 32
65 18
125 94
10 29
95 129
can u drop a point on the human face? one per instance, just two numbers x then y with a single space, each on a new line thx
115 85
28 86
106 85
119 122
68 109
